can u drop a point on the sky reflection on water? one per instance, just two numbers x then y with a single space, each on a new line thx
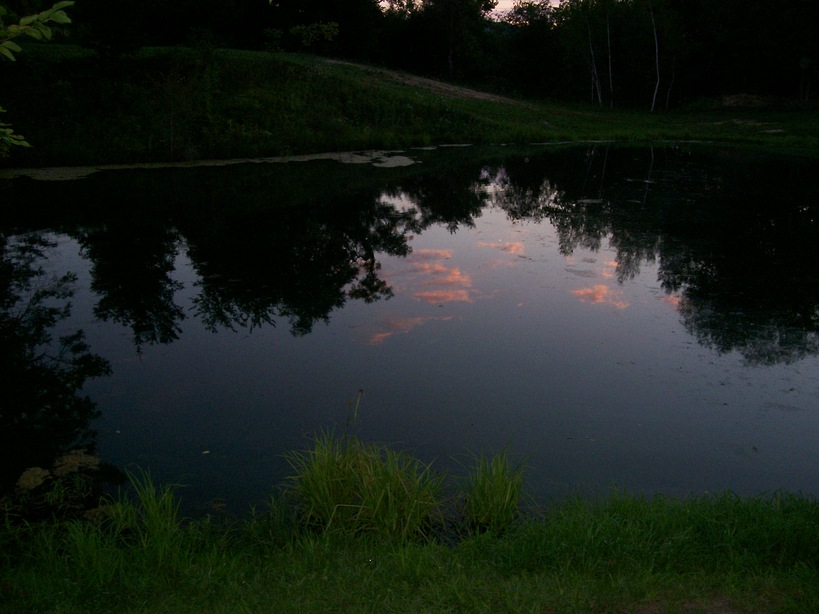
603 324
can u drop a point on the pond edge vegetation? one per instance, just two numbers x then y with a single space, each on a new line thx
360 524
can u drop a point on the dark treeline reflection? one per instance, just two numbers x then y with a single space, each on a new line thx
42 410
132 259
736 237
733 236
298 263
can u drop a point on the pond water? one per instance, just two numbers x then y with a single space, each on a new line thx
642 319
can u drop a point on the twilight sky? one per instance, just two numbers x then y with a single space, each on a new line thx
505 5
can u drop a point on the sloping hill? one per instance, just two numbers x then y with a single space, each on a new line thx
186 104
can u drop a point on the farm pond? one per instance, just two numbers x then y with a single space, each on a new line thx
644 319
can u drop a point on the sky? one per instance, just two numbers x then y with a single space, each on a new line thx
505 5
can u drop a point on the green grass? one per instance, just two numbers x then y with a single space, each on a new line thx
622 553
345 485
170 104
493 492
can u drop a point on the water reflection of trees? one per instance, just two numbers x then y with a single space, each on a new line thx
737 239
306 253
132 260
294 263
451 195
733 237
42 411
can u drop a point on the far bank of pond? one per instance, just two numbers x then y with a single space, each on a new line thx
172 104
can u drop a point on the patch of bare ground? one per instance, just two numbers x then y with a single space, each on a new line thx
445 89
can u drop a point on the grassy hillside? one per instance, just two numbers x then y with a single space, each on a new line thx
184 104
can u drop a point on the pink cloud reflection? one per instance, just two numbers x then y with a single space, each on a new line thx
601 294
400 326
510 247
673 300
435 281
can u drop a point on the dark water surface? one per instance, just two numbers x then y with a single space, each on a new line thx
636 318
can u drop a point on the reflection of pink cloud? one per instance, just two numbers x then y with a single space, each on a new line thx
430 254
378 338
448 277
399 326
428 269
673 300
601 294
510 247
610 268
434 297
597 294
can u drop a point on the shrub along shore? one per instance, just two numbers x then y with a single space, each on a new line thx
360 527
162 104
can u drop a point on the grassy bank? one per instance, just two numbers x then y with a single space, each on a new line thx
362 528
182 104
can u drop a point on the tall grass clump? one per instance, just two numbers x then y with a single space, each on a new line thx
344 485
153 519
493 493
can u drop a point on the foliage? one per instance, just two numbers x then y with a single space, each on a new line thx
309 35
606 48
349 28
36 27
8 138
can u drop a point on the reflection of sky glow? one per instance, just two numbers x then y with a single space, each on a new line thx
673 300
510 247
601 293
434 297
429 254
609 270
447 283
398 326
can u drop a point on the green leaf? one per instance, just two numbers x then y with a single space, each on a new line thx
60 17
26 21
61 5
4 51
11 46
44 30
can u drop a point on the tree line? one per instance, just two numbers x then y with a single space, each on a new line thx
614 53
